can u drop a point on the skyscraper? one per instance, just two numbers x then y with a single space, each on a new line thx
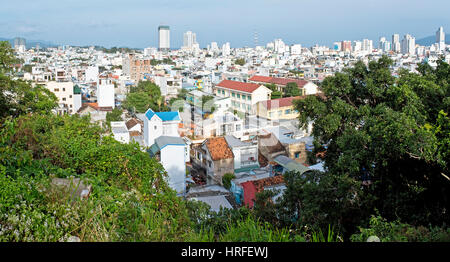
346 46
408 45
19 44
189 40
440 38
164 37
396 46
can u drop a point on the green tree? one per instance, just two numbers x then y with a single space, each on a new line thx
291 90
378 128
114 115
240 61
144 96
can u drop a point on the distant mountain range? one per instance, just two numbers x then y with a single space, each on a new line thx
31 43
427 41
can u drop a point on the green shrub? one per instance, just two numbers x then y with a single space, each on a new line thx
226 180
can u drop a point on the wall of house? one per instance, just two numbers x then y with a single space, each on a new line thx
294 148
242 155
173 161
221 167
152 130
64 92
105 93
275 113
260 94
310 88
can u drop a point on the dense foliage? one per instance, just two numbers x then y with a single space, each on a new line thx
387 159
144 96
390 135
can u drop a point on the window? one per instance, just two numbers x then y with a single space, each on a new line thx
238 127
238 96
287 111
64 89
56 89
64 99
70 96
270 114
280 112
223 92
233 94
249 98
155 127
297 154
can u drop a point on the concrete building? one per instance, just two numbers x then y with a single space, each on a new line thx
277 109
164 37
19 44
105 93
120 131
440 38
396 46
244 96
64 91
189 40
245 154
171 153
158 124
408 45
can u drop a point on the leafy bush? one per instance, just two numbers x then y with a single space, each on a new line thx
396 231
226 180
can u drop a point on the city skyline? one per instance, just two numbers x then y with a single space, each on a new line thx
99 24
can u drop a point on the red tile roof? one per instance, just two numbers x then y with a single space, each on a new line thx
265 79
280 102
278 81
218 148
251 188
239 86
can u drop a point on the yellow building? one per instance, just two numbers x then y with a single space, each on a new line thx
281 108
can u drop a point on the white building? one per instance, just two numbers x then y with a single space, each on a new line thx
396 46
171 152
105 93
226 49
158 124
189 40
440 38
64 91
164 37
408 45
91 74
296 49
120 131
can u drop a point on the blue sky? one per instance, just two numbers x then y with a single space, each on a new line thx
134 23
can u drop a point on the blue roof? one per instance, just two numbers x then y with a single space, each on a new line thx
164 116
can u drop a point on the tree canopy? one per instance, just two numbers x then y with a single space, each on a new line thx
391 133
144 96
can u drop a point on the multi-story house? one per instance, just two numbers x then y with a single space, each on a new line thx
68 101
158 124
171 152
278 109
136 68
244 96
215 157
306 87
245 154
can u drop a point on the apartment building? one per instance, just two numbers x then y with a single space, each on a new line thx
306 87
68 101
136 68
278 109
244 96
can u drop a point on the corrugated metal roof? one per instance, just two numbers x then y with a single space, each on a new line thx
290 164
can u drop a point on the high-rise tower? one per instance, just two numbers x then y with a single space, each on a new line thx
164 37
